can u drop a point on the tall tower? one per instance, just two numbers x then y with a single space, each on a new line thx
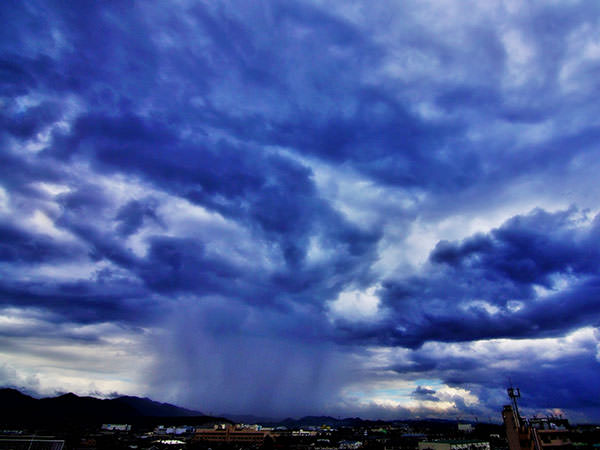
514 394
517 432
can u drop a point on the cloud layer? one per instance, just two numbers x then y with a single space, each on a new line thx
293 207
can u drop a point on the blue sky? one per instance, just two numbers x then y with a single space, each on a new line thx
384 209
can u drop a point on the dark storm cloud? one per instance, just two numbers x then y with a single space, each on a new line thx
27 124
503 269
423 393
131 216
382 137
86 301
400 145
113 113
19 171
19 246
574 360
273 194
527 249
270 191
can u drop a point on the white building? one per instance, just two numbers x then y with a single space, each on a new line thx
454 445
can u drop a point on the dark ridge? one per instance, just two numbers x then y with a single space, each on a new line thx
148 407
22 410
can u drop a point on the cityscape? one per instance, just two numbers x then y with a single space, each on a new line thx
72 422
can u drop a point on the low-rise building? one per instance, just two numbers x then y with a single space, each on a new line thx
304 433
230 433
454 445
350 445
31 443
115 427
545 433
465 427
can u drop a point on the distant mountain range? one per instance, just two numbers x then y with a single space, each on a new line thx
315 421
18 408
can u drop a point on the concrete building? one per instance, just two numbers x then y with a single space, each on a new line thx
551 433
115 427
350 445
547 433
230 433
31 443
454 445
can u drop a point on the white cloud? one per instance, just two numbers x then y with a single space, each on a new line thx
79 358
356 305
512 352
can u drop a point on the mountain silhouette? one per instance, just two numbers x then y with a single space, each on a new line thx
18 408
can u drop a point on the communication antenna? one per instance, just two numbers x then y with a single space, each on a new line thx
514 394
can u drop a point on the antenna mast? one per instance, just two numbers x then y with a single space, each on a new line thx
514 394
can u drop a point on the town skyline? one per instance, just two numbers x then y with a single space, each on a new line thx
295 207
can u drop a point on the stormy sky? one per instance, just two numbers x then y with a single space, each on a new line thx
385 209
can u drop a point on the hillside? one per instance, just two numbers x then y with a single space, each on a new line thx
21 409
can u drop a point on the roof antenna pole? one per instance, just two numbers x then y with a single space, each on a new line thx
514 394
